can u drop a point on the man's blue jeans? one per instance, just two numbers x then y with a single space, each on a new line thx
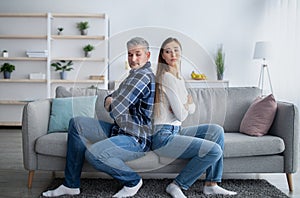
90 139
202 144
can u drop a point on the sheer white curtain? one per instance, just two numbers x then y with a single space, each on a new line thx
282 28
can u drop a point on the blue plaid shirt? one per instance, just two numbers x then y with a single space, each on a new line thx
132 105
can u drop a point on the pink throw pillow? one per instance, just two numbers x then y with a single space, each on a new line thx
259 117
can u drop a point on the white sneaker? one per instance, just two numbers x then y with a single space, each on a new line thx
175 191
61 190
129 191
214 190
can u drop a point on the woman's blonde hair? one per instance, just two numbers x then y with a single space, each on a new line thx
162 67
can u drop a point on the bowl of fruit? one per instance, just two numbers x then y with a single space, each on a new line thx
198 76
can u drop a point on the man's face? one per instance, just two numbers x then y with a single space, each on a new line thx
138 56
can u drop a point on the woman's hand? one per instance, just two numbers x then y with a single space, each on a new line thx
190 99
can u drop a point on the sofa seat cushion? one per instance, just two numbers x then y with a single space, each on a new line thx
55 144
241 145
236 145
146 163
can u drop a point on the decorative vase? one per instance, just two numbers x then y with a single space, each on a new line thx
6 75
88 54
5 54
63 75
84 32
220 76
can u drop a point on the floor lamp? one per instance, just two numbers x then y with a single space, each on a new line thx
262 51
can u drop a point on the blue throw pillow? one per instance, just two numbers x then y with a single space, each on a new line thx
63 109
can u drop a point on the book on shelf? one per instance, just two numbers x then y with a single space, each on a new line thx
37 76
37 54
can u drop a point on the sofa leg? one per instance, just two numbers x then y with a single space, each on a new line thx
290 181
30 178
53 174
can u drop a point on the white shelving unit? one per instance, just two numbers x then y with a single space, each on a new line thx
38 31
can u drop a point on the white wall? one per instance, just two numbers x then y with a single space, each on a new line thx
237 24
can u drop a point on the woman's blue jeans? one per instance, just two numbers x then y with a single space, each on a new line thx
90 139
202 144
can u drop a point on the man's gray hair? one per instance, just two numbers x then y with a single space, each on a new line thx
138 41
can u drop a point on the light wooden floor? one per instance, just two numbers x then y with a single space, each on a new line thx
13 177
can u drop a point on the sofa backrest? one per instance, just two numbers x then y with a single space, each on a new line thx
223 106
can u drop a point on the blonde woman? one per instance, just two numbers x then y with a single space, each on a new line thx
202 145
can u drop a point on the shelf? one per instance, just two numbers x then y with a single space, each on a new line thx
13 102
21 81
78 59
23 59
78 81
206 81
37 31
23 37
78 37
10 123
23 15
53 15
79 15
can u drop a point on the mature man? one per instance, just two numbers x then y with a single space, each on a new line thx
131 107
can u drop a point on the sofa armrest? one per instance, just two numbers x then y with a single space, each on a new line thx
286 126
35 121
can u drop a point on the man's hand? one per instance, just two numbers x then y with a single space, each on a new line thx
107 103
170 109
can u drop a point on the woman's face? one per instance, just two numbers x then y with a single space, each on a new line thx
172 54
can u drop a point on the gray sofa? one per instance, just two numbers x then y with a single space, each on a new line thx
276 152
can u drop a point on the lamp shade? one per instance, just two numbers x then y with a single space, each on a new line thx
262 50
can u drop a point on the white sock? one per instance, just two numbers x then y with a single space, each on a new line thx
61 190
212 190
129 191
175 191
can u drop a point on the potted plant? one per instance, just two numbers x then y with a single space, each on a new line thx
59 30
219 61
7 69
5 53
88 50
83 26
63 66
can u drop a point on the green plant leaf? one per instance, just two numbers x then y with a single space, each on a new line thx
63 65
219 61
88 48
7 67
83 25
